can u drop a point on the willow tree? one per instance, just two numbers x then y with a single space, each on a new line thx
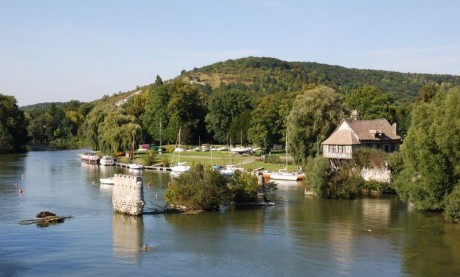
314 116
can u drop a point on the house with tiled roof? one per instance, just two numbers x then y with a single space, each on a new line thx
352 134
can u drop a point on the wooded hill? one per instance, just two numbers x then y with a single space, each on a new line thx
269 75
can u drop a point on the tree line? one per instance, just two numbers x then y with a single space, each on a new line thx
257 108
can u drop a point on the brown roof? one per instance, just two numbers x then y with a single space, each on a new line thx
342 137
362 130
366 129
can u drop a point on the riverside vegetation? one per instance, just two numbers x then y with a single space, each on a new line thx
256 101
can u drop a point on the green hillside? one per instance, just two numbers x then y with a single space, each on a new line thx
269 75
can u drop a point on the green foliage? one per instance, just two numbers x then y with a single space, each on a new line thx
268 123
265 76
244 187
224 108
165 161
346 183
314 116
318 176
200 188
273 159
370 103
239 128
13 136
150 157
452 205
431 152
369 157
109 130
173 106
395 162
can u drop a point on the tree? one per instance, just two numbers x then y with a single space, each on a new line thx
224 107
370 103
155 118
239 127
13 134
315 114
173 106
431 152
268 122
186 109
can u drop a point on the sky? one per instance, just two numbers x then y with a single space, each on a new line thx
57 51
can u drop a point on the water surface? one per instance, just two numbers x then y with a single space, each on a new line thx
300 236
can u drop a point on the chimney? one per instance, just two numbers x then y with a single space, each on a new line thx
394 127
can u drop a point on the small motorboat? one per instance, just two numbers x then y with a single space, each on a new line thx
135 166
107 160
107 181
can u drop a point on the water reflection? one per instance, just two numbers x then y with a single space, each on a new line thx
127 235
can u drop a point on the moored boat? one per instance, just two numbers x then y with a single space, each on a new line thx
179 168
107 181
89 157
283 174
107 160
230 169
135 166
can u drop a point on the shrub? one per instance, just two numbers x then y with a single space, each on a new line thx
165 161
318 176
452 206
273 159
244 187
200 188
346 184
149 158
369 157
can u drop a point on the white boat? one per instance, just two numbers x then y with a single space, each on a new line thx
89 157
230 169
180 167
106 160
283 174
107 181
242 150
135 166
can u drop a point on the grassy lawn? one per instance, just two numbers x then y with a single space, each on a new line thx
248 162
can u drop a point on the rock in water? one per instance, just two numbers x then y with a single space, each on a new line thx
43 214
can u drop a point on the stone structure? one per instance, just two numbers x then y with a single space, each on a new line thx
128 194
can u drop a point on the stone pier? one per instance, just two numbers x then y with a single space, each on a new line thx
128 194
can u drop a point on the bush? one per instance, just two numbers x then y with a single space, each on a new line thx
369 157
273 159
149 158
165 161
318 176
199 188
452 206
346 184
244 187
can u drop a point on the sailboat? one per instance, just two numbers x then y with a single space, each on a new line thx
180 167
283 174
242 150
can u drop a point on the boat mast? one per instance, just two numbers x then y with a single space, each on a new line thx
286 161
160 133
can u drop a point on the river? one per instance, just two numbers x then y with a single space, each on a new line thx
300 236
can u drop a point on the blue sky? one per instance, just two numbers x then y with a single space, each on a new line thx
53 50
